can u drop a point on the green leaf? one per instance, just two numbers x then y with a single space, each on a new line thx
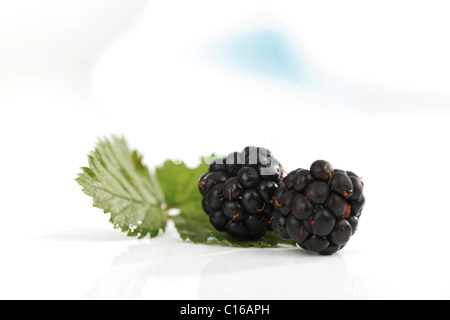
270 240
121 185
180 186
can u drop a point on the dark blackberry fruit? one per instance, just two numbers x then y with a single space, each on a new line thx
319 208
321 170
238 192
249 177
317 192
209 180
266 189
232 189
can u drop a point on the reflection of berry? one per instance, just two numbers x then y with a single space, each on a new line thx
238 190
318 208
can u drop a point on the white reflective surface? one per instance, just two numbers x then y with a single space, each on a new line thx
100 264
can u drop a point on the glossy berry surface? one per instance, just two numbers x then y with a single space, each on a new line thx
238 191
319 208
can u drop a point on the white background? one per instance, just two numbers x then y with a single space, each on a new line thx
373 98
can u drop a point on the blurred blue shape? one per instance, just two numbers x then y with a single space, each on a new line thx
265 51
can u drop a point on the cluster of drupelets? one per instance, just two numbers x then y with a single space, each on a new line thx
248 193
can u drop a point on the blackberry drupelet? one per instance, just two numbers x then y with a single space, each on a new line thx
318 208
238 190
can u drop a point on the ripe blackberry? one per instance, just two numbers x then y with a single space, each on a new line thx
318 208
238 190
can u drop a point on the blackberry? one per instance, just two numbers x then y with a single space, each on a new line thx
319 208
238 190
